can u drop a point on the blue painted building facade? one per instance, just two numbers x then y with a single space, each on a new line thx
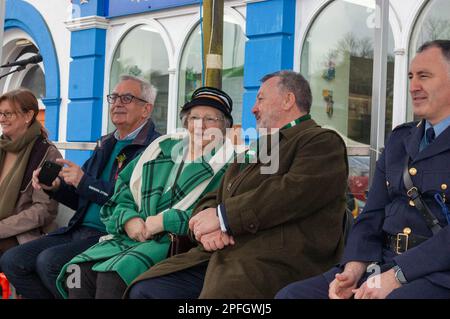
270 31
22 15
81 44
269 48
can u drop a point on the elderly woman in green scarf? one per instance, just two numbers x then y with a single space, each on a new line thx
25 214
154 198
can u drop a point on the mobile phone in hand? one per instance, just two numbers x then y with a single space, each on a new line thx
49 172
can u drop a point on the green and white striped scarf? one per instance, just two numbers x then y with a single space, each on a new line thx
220 158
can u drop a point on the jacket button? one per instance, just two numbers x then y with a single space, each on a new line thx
229 186
251 226
412 171
444 187
411 203
387 183
407 231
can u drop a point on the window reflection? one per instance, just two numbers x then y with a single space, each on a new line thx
34 80
142 53
432 24
233 67
337 59
358 183
32 77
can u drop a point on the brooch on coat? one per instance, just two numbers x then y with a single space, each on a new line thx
120 159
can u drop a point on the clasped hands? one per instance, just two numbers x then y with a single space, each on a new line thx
140 230
206 228
378 286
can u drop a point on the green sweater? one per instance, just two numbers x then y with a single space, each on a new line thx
92 217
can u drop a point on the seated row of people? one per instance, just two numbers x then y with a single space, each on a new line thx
157 191
262 219
33 267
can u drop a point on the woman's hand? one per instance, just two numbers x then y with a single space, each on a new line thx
135 229
38 186
153 225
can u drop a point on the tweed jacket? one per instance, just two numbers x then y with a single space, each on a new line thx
126 256
287 225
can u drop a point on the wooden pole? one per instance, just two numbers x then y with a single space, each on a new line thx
213 42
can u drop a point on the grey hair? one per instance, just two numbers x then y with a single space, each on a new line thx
295 83
148 91
184 116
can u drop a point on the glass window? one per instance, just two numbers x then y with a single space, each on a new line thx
337 59
142 53
432 24
32 77
233 66
35 81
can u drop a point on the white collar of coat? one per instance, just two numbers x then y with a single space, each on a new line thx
220 159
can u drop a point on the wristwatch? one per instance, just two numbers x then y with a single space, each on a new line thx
398 273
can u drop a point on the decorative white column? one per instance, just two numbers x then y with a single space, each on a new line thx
401 91
172 107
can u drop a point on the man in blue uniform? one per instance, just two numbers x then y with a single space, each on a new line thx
402 234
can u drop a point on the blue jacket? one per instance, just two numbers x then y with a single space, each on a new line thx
91 188
388 210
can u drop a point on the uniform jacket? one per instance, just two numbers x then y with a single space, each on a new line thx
388 210
91 188
34 212
126 256
287 225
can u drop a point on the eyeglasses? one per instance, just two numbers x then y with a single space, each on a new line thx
208 120
7 115
124 99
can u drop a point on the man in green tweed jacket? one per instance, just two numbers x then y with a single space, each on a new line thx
155 196
264 227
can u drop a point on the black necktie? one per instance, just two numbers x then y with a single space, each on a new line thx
430 136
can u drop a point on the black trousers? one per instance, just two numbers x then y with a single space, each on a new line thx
6 244
184 284
317 288
98 285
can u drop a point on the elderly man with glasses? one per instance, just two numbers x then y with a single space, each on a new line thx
33 267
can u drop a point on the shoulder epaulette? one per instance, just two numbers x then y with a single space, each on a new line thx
407 125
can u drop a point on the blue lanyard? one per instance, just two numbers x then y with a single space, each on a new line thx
444 207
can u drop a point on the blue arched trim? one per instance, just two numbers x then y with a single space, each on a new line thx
20 14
